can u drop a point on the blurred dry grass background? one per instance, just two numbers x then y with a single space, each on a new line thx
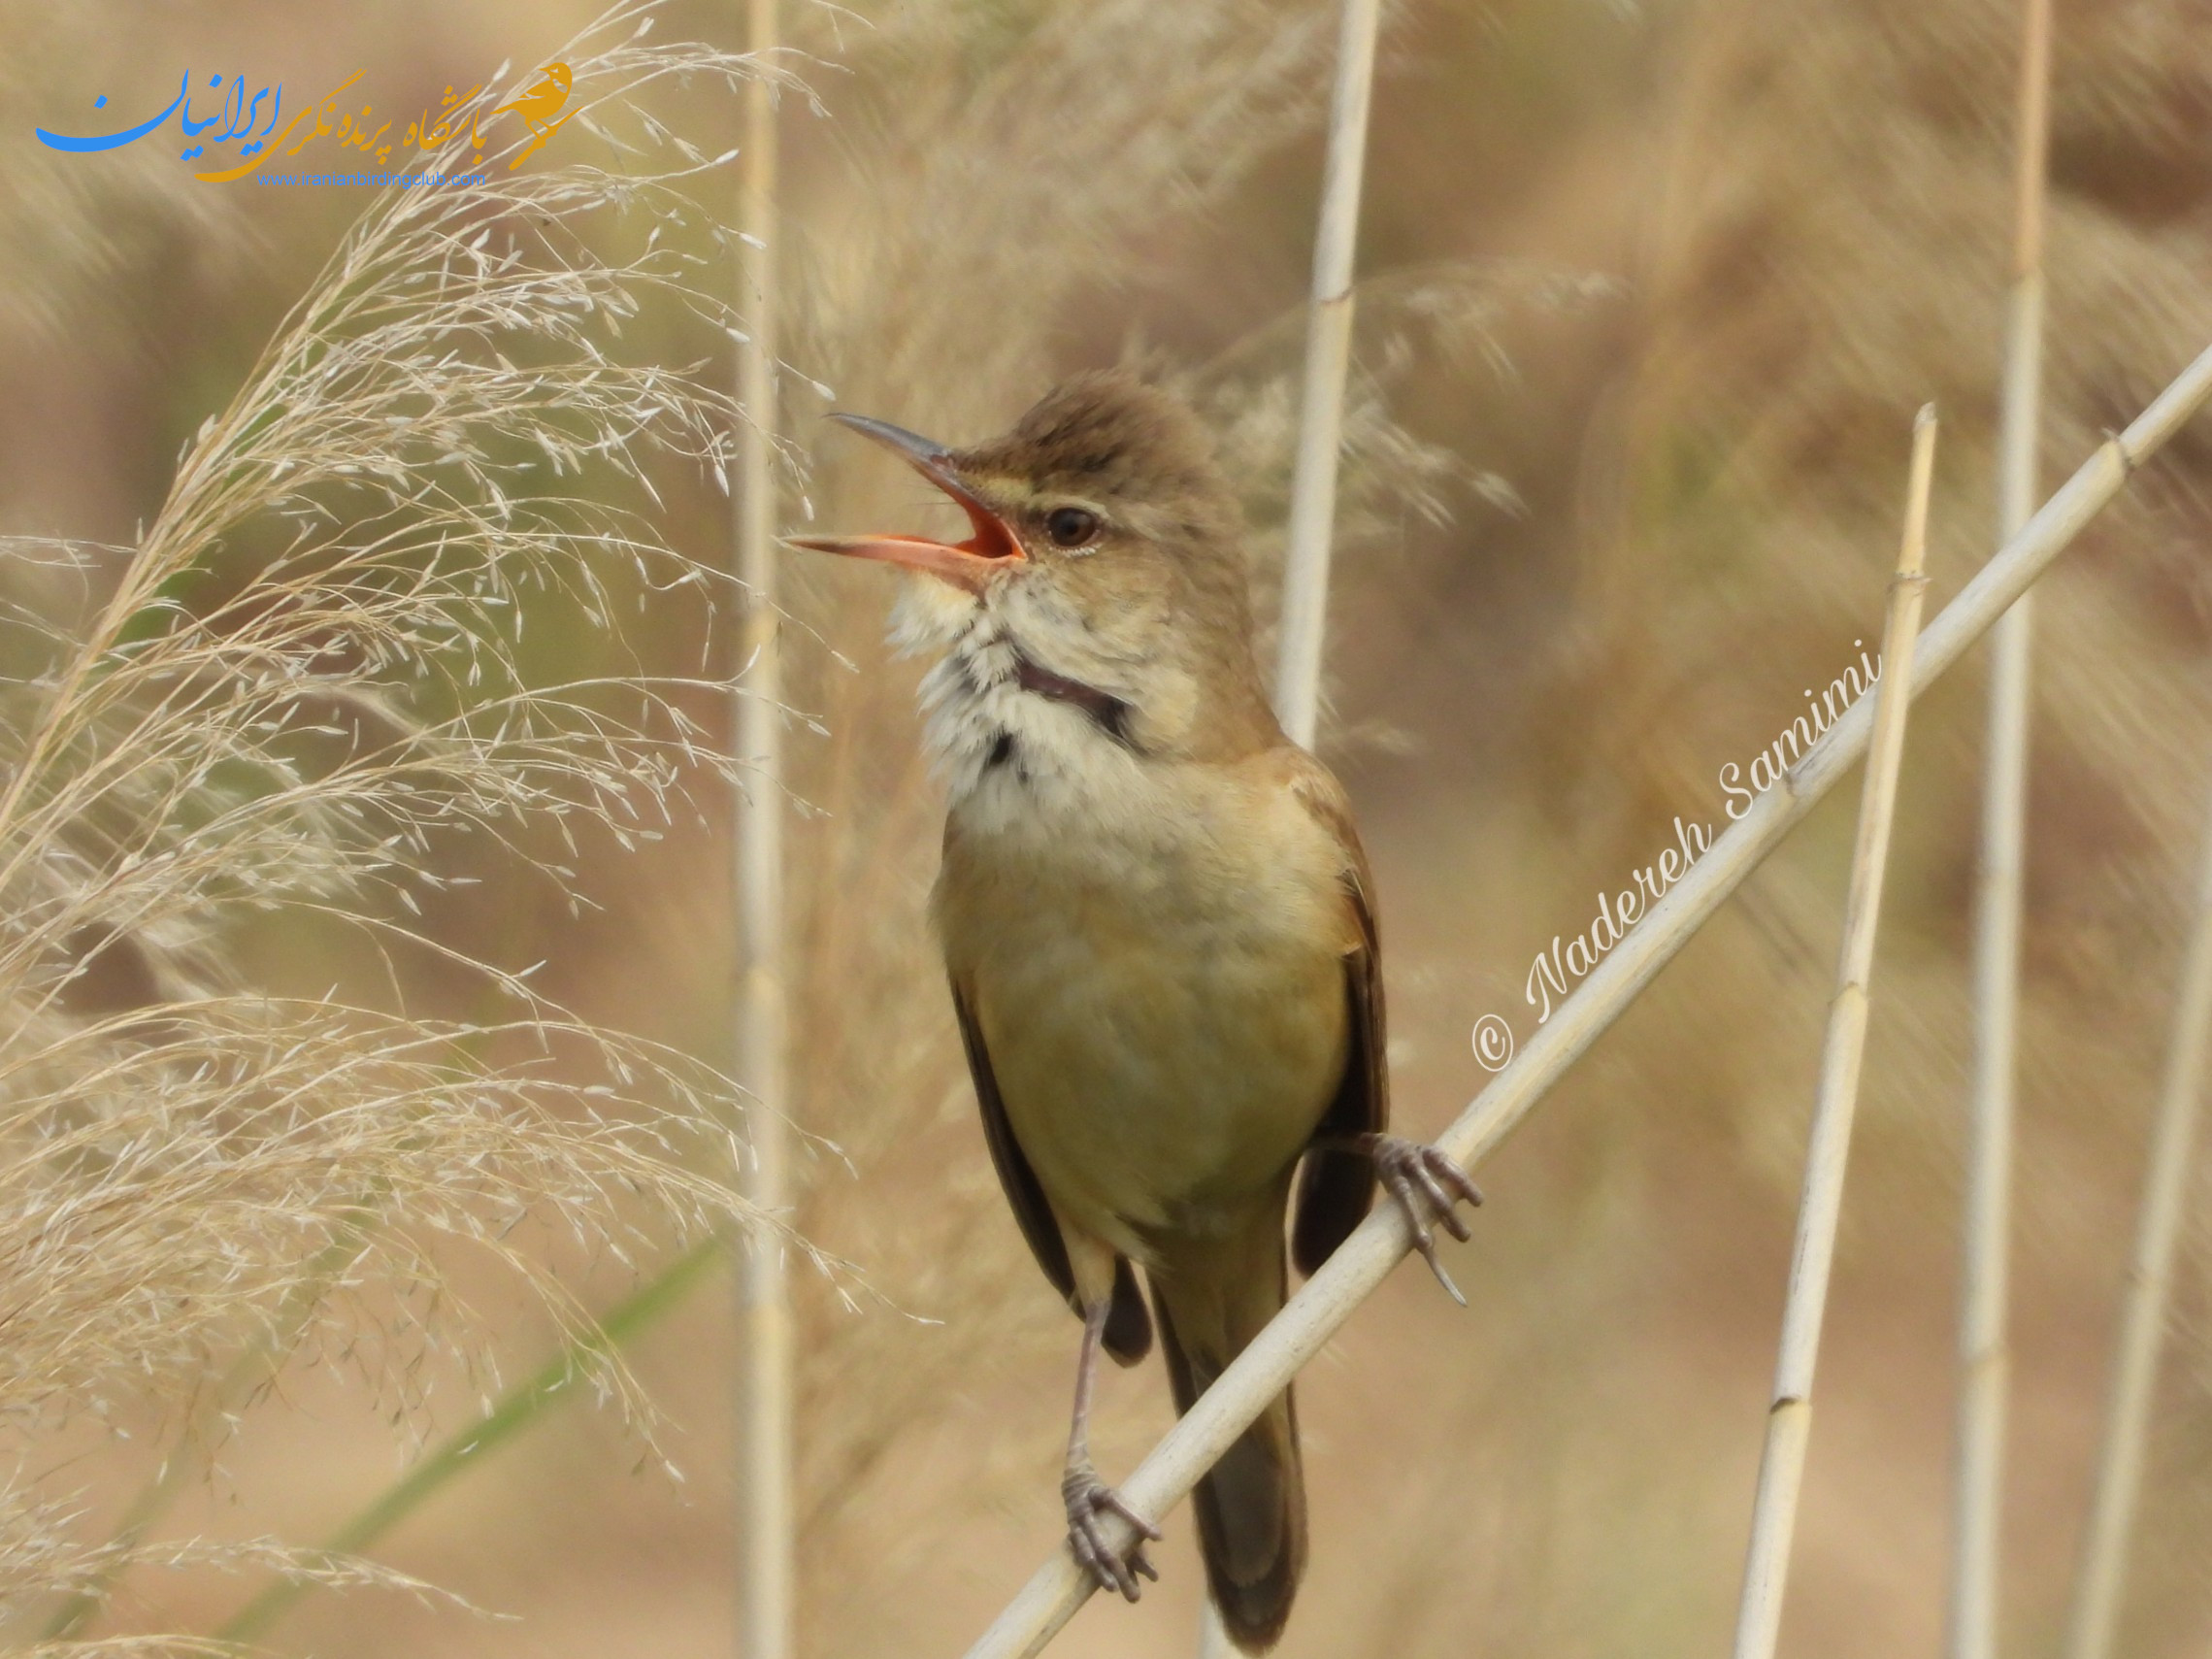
1675 274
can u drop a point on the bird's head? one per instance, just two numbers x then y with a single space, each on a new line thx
1105 548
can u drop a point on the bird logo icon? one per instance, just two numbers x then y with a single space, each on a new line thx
538 104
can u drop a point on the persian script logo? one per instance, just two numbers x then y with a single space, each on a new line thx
239 119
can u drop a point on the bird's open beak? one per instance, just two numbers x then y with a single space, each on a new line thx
965 564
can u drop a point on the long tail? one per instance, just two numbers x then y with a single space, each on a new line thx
1212 1301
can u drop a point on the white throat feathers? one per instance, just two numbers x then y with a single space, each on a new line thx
1023 712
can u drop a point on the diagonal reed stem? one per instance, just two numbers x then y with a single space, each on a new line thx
2102 1575
1984 1357
1321 399
763 1476
1058 1588
514 1410
1828 1151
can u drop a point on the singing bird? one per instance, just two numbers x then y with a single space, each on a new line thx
1159 929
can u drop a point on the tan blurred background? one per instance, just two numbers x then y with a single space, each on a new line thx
1654 291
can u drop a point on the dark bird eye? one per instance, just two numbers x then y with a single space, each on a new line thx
1070 526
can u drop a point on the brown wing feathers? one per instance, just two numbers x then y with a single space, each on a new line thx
1335 1188
1129 1325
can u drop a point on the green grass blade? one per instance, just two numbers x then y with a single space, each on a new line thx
521 1406
249 1372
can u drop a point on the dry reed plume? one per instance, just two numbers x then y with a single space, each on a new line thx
303 684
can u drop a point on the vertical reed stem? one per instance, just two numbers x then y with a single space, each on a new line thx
1320 432
1984 1356
764 1457
1789 1422
2150 1276
1321 401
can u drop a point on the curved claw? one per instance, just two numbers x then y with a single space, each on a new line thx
1089 1500
1427 1184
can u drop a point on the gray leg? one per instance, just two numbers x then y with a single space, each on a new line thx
1090 1500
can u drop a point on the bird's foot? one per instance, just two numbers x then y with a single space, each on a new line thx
1427 1185
1089 1502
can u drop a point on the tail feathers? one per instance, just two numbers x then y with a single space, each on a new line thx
1128 1329
1251 1506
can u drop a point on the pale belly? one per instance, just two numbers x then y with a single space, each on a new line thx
1167 1023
